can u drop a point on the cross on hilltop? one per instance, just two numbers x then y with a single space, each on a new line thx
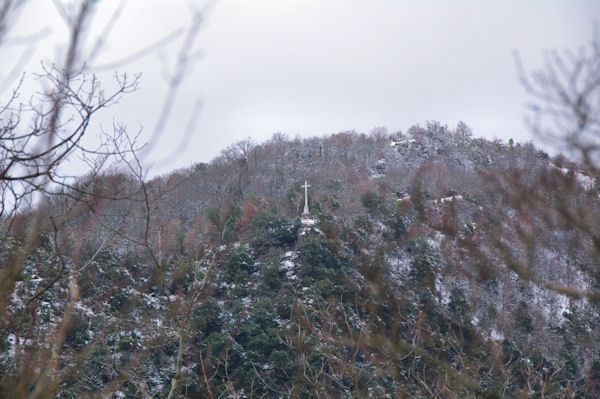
306 186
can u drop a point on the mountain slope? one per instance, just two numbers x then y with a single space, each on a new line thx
439 265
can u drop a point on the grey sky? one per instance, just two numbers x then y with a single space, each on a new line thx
318 67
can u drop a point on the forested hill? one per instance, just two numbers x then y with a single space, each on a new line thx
432 264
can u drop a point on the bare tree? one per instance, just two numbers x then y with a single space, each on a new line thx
36 139
43 206
566 94
553 198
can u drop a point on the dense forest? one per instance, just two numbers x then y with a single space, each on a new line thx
427 263
432 264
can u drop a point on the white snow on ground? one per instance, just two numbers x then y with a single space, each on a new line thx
247 301
84 309
287 264
584 181
448 199
11 339
563 304
402 141
152 301
400 264
436 240
308 222
436 201
496 335
442 289
552 304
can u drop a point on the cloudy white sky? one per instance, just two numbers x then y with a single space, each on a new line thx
308 67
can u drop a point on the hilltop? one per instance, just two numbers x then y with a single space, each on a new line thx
433 264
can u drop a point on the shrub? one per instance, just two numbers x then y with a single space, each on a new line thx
422 266
273 231
371 201
206 317
78 333
318 261
239 259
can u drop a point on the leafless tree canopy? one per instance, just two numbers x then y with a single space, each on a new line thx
567 98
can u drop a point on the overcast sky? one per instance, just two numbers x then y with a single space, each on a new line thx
307 67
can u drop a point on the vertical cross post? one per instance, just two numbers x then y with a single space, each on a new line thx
306 186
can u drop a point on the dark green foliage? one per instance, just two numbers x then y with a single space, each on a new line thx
206 318
318 260
239 260
284 302
423 264
258 334
271 276
398 223
324 288
282 362
126 343
118 300
523 319
372 201
78 333
182 275
458 305
223 219
594 378
538 358
270 230
238 271
358 234
363 225
573 331
357 311
129 391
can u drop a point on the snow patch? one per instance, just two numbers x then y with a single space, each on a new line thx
436 240
496 335
84 309
287 264
449 199
401 142
247 301
152 301
443 290
584 180
400 264
308 222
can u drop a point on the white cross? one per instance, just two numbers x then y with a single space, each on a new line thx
306 186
